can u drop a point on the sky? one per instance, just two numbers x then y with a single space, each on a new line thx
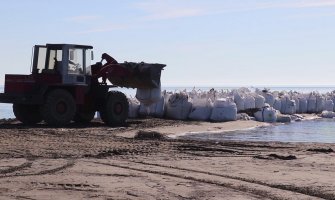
203 43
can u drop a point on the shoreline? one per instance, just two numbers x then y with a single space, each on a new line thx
173 130
100 162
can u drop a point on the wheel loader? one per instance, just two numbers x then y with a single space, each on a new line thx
63 86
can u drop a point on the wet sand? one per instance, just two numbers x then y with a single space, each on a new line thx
99 162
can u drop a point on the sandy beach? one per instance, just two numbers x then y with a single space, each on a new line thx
139 161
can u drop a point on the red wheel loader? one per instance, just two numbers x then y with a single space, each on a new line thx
63 86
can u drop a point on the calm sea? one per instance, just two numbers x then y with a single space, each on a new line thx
320 130
6 109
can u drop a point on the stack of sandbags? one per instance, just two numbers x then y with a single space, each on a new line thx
329 105
303 104
311 103
259 101
134 106
224 110
266 114
297 103
287 105
269 98
239 101
155 109
178 106
214 105
148 96
291 107
332 97
201 109
320 103
277 104
249 102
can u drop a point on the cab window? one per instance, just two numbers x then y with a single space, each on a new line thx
76 61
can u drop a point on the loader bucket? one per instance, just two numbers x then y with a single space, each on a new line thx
136 75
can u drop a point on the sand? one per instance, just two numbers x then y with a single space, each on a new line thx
99 162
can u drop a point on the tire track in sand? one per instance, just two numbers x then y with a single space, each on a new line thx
15 168
292 188
254 188
69 163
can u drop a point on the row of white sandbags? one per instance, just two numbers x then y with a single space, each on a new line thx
300 103
198 105
180 106
286 103
202 106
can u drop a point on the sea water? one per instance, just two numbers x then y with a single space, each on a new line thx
5 109
320 130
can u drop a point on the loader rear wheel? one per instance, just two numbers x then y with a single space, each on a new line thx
27 114
59 108
115 109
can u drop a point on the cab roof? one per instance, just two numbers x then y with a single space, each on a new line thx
70 45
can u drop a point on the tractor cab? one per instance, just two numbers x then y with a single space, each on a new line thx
67 61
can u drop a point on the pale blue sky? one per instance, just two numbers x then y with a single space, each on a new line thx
211 43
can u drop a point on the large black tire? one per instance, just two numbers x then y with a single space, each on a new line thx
115 109
59 108
84 116
27 114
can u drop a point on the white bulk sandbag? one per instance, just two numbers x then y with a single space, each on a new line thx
333 99
155 109
327 114
259 101
201 109
249 102
329 105
134 106
178 106
224 110
320 103
303 105
167 96
311 104
239 101
290 107
148 96
144 110
269 98
222 102
297 106
266 114
159 110
277 104
283 104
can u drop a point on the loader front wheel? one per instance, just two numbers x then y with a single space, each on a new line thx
59 108
27 114
115 110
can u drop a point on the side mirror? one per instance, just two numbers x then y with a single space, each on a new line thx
92 55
